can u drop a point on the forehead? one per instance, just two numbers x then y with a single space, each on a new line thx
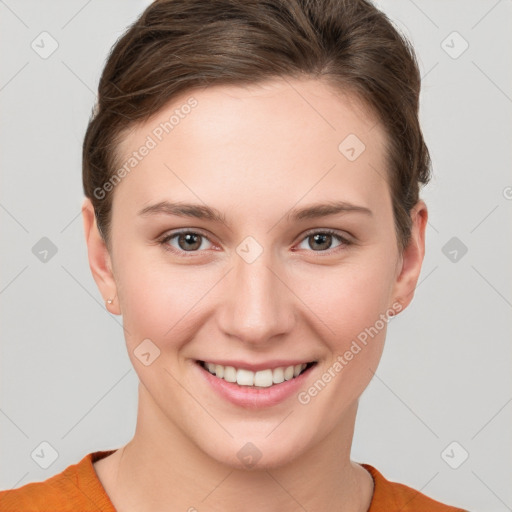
281 136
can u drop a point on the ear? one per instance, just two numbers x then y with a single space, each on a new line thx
409 267
99 258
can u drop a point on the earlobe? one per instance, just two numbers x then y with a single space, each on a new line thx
99 259
412 257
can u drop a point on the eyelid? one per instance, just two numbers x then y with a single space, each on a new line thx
166 237
344 236
345 241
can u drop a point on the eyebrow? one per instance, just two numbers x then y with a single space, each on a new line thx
184 210
323 210
208 213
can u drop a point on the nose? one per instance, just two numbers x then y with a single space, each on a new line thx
257 305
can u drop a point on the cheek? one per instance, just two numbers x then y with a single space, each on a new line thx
352 306
159 301
164 301
346 299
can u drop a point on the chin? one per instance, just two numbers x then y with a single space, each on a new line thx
257 452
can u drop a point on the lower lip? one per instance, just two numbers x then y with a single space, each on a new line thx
251 397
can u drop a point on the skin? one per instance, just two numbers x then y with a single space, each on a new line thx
254 153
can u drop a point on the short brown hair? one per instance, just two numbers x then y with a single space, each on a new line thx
180 45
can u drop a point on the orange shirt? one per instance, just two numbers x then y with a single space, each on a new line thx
78 489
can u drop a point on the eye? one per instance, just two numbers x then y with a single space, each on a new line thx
192 241
187 241
322 240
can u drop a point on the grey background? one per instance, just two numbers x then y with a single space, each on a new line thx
446 371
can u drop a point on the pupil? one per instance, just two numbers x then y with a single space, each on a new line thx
322 237
191 239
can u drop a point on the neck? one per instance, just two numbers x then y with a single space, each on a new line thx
162 466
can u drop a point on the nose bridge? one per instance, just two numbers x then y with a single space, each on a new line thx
256 305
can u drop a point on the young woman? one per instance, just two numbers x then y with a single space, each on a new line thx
252 210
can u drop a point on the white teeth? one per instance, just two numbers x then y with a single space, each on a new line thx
262 378
229 374
244 377
219 370
278 376
288 373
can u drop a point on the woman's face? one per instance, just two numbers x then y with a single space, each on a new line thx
258 280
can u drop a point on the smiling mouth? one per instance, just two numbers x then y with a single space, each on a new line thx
262 378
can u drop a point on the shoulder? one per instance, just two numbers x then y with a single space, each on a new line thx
392 496
75 488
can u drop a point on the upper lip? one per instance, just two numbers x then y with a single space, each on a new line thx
276 363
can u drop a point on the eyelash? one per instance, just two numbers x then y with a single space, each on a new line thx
164 241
